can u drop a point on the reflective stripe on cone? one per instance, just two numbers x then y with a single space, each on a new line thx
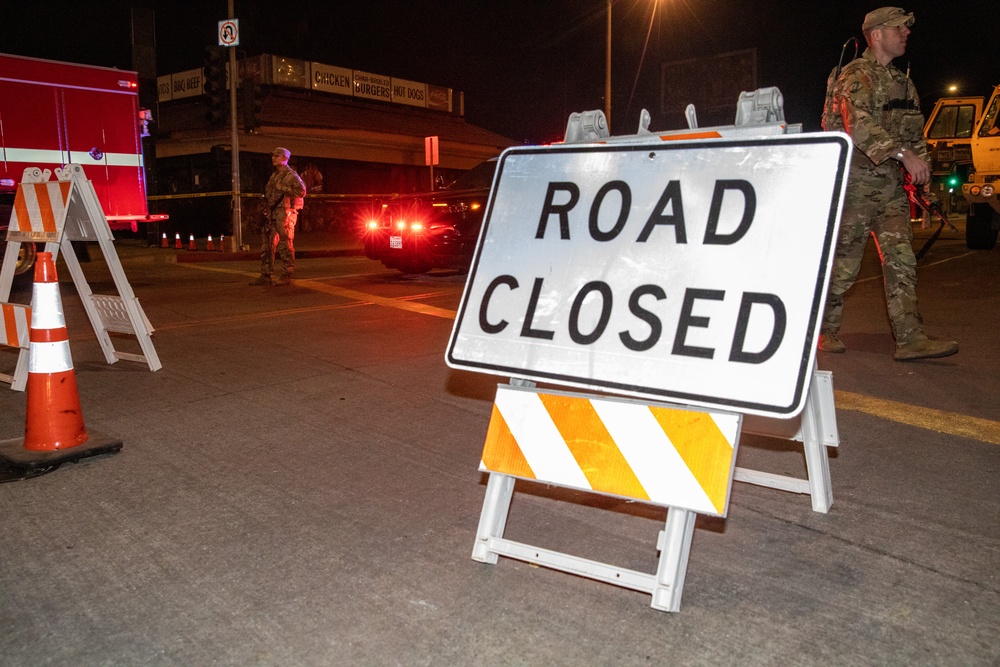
54 418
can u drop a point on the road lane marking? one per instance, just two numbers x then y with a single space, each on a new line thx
390 302
400 303
949 423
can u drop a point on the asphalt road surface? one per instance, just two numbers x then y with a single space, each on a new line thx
299 485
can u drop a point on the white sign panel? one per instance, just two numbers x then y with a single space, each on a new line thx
163 88
330 79
692 272
372 86
412 93
229 32
186 84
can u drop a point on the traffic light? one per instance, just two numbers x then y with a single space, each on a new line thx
214 78
252 94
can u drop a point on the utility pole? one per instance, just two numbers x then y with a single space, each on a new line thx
234 139
607 73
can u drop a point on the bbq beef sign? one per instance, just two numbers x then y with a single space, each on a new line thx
690 272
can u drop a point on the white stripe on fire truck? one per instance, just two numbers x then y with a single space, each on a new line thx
59 158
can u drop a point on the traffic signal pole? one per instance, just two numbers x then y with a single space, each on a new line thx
234 139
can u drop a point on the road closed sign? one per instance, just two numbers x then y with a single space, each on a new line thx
687 272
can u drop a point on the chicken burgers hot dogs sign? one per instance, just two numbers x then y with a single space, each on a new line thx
689 272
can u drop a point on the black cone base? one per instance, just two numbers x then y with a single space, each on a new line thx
16 462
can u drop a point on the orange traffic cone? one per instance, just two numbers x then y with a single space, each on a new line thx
54 431
209 245
55 420
163 241
177 242
191 243
222 243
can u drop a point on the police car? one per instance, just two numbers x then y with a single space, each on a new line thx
432 230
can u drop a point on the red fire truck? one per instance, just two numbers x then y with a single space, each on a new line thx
55 113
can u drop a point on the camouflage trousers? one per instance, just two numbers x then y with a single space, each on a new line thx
278 239
876 204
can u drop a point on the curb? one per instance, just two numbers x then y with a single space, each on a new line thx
218 256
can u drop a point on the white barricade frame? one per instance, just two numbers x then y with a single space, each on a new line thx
68 210
814 424
665 586
15 328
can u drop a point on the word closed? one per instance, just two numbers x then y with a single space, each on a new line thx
693 271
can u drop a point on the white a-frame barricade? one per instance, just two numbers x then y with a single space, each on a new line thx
56 213
656 454
684 273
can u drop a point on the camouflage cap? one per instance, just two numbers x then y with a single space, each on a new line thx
282 153
888 16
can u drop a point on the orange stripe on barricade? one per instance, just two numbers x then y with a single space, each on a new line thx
600 460
45 207
10 324
501 451
701 444
21 221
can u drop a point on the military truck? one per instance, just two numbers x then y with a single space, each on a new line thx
948 132
981 186
965 160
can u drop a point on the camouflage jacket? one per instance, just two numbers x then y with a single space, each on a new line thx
879 107
284 182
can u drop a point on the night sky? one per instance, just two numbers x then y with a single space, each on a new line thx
525 65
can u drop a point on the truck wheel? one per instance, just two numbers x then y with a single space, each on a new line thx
24 262
980 231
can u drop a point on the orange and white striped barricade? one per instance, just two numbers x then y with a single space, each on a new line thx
15 319
65 210
54 432
661 455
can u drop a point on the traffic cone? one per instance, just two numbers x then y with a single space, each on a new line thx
191 243
163 241
222 243
54 432
209 245
177 242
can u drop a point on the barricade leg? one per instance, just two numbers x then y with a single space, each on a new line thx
675 547
817 460
493 519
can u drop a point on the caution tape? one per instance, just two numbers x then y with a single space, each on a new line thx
256 195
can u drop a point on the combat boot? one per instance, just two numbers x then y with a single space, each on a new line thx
829 342
261 280
283 280
925 348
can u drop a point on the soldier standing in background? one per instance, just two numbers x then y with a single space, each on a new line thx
282 201
877 105
312 217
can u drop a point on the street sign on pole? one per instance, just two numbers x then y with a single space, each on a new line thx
431 155
229 32
688 272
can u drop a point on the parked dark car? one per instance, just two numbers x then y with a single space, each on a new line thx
432 230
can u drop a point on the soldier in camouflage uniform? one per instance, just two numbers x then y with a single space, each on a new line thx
877 105
283 196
